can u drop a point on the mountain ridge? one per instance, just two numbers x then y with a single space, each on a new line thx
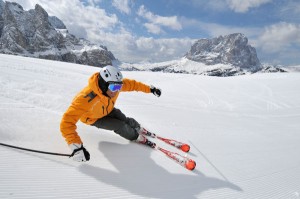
34 33
228 49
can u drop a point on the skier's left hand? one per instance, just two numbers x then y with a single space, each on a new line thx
80 154
155 91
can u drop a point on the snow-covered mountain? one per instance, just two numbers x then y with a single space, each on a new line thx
227 55
230 49
35 34
243 132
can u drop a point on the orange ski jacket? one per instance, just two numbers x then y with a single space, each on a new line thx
90 104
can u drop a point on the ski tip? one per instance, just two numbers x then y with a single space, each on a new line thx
190 165
185 148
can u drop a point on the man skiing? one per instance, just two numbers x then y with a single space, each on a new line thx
94 105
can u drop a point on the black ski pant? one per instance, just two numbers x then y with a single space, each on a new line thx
116 121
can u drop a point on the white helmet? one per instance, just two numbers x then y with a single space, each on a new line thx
111 74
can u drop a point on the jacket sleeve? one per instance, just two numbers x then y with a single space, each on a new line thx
132 85
70 118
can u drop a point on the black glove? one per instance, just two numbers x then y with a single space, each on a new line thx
155 91
80 154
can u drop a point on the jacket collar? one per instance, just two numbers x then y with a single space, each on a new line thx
93 84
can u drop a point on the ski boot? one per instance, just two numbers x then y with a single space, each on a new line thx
143 140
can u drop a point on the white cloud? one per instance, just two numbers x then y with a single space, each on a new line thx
244 5
153 28
131 48
81 20
122 5
161 49
277 37
155 22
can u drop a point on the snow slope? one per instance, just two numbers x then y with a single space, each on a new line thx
243 132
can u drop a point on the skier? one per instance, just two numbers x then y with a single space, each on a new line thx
94 105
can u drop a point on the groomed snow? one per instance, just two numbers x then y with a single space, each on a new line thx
243 132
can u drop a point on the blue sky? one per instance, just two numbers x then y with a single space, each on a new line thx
161 30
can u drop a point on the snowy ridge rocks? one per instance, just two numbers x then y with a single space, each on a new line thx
34 33
229 49
272 69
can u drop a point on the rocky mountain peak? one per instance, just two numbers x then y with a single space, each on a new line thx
40 10
229 49
40 13
34 33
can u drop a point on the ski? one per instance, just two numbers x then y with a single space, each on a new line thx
182 146
182 160
186 162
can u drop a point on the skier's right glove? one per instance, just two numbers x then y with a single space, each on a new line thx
155 91
80 154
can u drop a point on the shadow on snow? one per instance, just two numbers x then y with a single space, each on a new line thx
140 175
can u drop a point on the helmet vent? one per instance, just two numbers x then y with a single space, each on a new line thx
111 74
107 73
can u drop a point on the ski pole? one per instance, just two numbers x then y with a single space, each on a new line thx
36 151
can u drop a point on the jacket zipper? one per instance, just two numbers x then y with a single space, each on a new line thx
107 106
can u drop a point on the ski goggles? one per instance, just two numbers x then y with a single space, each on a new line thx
114 87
